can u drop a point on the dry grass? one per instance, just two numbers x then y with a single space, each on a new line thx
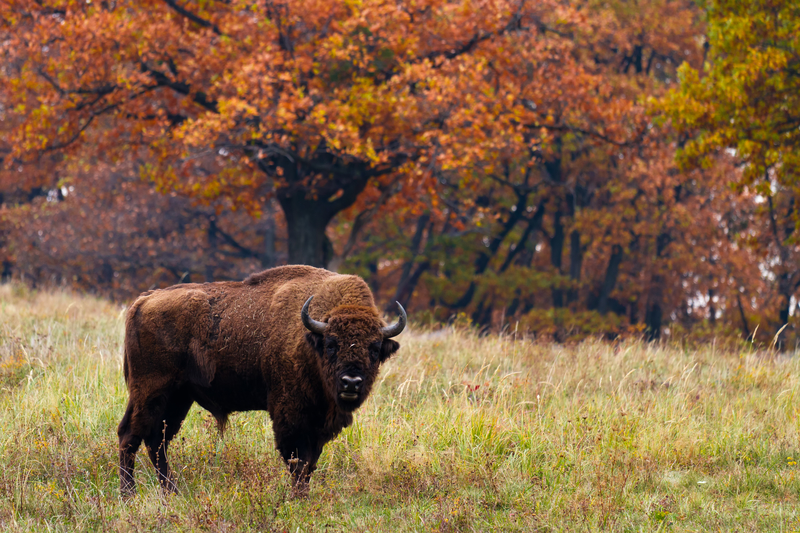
463 433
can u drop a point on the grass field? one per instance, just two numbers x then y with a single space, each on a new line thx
462 434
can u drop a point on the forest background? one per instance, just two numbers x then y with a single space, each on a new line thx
562 168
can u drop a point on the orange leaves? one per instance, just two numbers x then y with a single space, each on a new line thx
507 130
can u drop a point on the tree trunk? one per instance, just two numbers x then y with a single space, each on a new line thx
404 297
785 289
306 221
416 241
743 317
408 281
633 312
653 314
269 257
575 262
534 224
556 252
485 257
211 257
610 280
653 321
712 310
553 168
309 208
785 308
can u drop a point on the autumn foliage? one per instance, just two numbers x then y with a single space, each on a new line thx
510 163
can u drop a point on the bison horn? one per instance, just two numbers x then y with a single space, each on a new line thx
397 328
314 326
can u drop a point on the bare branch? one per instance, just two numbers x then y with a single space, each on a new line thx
243 251
360 223
191 16
163 80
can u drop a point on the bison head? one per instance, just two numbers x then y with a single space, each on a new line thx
351 345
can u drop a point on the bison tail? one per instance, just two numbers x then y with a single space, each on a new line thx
126 363
131 346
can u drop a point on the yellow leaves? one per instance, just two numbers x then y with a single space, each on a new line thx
369 151
237 107
746 91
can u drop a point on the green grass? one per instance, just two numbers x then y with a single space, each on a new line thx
461 434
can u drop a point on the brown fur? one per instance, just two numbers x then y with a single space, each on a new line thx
240 346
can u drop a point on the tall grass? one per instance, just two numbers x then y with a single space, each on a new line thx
462 433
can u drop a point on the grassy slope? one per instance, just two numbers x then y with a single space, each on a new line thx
463 433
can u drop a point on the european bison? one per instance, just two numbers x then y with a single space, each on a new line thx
252 345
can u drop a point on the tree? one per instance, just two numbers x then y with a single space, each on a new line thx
748 93
562 156
508 162
746 100
310 102
115 235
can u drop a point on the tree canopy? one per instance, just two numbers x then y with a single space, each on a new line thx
745 100
568 168
747 94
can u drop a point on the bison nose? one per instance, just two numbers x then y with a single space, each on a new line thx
351 384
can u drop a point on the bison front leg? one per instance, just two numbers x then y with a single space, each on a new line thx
301 453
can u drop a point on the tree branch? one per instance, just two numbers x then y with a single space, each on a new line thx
162 80
535 223
360 222
191 16
246 252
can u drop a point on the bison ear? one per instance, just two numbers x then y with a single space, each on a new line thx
316 341
388 347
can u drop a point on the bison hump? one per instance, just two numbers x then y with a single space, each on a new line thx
282 274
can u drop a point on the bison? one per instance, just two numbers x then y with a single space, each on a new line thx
252 345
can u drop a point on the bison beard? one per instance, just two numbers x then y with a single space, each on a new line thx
252 345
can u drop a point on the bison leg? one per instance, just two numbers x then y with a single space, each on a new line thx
128 446
301 452
158 441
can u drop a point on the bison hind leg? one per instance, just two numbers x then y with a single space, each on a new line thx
128 446
160 436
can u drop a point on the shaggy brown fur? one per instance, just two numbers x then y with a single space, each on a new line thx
239 346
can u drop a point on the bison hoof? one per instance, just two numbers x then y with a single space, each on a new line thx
169 487
300 491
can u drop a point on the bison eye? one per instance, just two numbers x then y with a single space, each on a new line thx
375 351
331 347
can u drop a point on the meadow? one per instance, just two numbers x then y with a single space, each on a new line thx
462 433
